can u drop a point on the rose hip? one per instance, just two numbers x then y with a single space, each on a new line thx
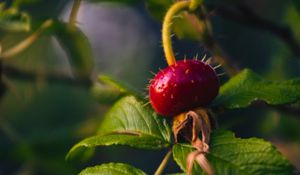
183 86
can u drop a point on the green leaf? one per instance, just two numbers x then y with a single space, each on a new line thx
231 155
133 139
13 20
77 47
247 87
130 122
112 169
130 114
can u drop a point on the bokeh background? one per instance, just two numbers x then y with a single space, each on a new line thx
40 120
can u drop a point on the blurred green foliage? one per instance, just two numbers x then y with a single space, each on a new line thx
13 20
40 120
77 46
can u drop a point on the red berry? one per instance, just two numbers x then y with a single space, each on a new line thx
183 86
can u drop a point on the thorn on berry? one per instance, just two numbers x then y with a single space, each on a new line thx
208 61
217 66
152 73
196 57
145 104
221 74
203 59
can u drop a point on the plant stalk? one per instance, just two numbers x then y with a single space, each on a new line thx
166 31
195 4
74 11
163 164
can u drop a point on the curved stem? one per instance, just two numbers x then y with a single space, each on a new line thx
27 42
195 4
74 11
163 164
166 32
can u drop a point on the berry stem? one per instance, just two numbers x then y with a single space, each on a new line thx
74 11
166 31
163 164
195 4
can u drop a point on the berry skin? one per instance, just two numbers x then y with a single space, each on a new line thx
183 86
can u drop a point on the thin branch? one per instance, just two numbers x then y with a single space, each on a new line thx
18 73
74 11
230 67
244 15
210 42
163 164
27 42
